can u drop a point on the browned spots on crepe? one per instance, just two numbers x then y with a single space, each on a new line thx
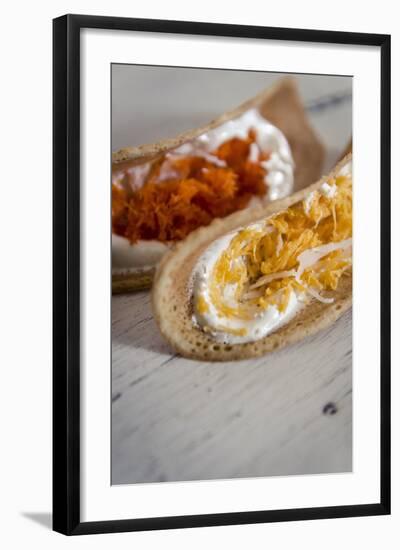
171 297
281 105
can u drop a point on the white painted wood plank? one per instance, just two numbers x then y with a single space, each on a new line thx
177 419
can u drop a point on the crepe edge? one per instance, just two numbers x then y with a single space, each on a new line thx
282 106
123 283
312 319
146 152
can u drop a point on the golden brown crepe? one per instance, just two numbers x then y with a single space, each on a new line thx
171 296
281 106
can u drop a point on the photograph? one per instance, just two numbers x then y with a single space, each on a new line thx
231 300
194 358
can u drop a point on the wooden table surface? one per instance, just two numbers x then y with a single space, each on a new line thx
178 419
290 412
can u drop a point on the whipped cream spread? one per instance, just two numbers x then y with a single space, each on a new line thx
227 329
280 165
279 177
141 256
229 312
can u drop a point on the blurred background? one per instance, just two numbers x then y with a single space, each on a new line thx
153 103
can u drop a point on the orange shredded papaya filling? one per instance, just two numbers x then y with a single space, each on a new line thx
181 193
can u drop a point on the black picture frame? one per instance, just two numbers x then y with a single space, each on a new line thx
66 273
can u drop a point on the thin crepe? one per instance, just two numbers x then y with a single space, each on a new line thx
281 106
171 298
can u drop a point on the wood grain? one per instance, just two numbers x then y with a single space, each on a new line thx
175 419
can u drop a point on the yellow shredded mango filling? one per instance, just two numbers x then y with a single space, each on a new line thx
202 306
260 252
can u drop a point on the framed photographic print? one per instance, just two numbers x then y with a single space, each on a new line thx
220 354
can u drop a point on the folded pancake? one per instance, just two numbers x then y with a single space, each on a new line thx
348 149
260 279
258 153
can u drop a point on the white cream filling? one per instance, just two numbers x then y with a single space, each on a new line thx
137 257
327 190
270 319
280 166
347 169
307 202
263 323
279 177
